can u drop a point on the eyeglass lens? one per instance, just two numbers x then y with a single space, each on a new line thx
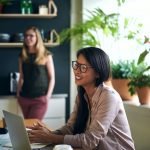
29 35
83 67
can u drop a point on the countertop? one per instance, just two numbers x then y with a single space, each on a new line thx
11 97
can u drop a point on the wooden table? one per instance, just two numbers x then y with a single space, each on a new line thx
28 122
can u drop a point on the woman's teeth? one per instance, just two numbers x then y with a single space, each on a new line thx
77 77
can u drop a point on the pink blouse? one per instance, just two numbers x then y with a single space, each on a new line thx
107 128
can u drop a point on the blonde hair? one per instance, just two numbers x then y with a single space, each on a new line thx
41 51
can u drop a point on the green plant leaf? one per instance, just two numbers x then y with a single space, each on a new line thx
87 31
123 69
142 56
120 2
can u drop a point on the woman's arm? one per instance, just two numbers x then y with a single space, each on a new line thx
103 114
39 133
51 75
20 82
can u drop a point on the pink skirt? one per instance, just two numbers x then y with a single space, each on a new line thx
33 107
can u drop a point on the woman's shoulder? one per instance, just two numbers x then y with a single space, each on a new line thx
103 87
47 52
108 93
108 88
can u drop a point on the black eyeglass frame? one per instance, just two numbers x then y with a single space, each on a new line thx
78 65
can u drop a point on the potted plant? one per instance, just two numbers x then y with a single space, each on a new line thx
121 74
140 81
4 3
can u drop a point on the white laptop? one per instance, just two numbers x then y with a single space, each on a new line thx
18 134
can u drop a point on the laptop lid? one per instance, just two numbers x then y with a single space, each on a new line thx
17 131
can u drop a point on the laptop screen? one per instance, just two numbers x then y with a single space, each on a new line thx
17 132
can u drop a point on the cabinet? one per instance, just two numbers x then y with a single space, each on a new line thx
8 103
24 16
54 117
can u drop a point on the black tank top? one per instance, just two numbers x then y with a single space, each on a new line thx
35 78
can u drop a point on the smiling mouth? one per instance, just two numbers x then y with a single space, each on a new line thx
77 77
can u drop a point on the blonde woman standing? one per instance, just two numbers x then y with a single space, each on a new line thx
37 75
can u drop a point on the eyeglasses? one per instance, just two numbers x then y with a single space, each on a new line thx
83 67
29 35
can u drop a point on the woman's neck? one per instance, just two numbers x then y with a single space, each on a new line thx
90 92
31 50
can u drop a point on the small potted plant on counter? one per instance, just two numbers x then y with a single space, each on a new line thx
121 74
140 81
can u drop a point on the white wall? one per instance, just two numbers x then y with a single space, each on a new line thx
76 16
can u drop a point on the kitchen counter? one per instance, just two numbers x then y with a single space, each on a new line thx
54 117
12 97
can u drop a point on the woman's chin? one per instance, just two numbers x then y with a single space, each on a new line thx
78 83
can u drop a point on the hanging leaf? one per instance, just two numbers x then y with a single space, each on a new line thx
146 40
142 56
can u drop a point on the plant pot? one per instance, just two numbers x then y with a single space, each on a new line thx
121 86
144 95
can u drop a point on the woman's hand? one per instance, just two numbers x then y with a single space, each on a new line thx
39 133
48 97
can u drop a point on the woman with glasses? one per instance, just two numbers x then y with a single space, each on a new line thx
98 120
37 75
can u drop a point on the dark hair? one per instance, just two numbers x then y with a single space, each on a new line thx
100 61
